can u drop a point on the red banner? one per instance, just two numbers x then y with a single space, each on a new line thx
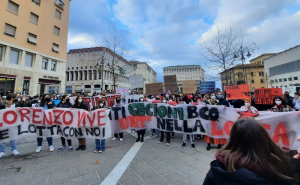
266 95
237 92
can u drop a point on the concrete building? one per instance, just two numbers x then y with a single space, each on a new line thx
283 69
33 46
185 72
83 76
148 74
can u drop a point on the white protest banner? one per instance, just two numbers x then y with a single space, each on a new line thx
77 123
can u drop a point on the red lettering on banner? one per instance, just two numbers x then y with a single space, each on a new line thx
280 132
228 126
141 119
214 130
65 122
124 123
266 126
91 120
57 114
99 117
10 122
133 122
49 121
36 116
23 114
80 118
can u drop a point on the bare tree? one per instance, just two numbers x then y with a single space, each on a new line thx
220 49
117 46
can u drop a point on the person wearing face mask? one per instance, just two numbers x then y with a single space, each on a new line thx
198 100
45 103
80 104
205 98
24 102
141 133
248 106
65 103
168 97
296 101
221 99
100 143
279 105
118 135
162 133
35 99
212 100
13 143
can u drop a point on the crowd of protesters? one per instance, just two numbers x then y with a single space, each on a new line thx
255 160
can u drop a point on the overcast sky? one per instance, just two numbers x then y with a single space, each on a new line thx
167 32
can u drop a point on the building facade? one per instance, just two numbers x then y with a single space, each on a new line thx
33 46
148 74
82 75
283 69
185 72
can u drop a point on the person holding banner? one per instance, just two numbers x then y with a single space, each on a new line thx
24 102
279 105
118 135
45 103
80 104
162 133
141 133
248 106
221 99
251 157
209 140
296 101
100 145
65 103
13 143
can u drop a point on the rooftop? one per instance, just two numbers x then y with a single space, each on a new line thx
240 66
181 66
283 52
262 56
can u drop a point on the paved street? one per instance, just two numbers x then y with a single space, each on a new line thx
153 164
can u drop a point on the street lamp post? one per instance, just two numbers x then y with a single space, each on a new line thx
242 51
98 66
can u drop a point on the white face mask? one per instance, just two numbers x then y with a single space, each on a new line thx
23 99
278 102
153 98
101 104
247 104
167 96
141 99
39 101
164 101
213 97
79 100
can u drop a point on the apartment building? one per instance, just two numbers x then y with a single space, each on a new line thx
91 70
185 72
33 46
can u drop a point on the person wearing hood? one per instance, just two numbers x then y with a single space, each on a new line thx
296 101
221 99
279 105
250 160
65 103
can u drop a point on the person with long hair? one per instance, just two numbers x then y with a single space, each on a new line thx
251 157
100 144
24 102
65 103
45 103
279 105
247 105
80 104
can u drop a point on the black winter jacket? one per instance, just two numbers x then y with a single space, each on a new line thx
82 105
64 105
223 102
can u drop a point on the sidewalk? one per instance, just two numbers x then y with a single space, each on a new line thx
153 164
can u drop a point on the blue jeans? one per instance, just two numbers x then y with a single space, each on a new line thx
13 145
156 131
40 141
100 146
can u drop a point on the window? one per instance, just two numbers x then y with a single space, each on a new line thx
252 81
45 63
36 2
1 50
32 39
280 80
55 48
272 81
252 74
28 60
87 86
290 78
295 78
13 7
262 81
261 73
284 79
60 3
10 30
34 18
240 74
56 30
85 67
57 14
14 57
68 68
81 67
53 65
72 68
76 67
